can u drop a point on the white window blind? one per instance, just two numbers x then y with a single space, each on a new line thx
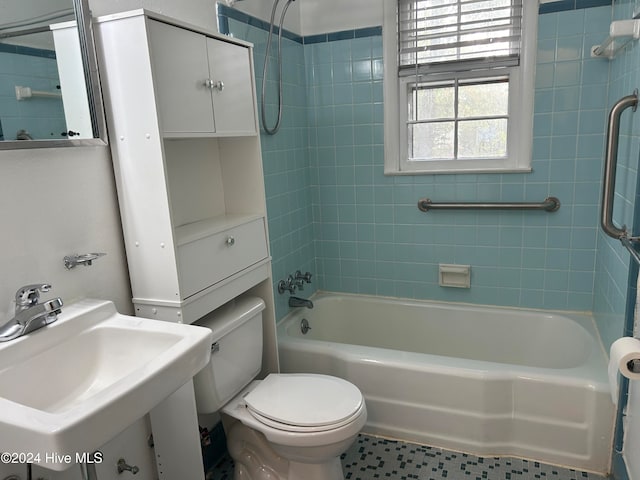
458 34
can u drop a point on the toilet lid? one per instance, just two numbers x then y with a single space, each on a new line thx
300 429
304 400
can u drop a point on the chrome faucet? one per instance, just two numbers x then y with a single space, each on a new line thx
287 285
30 314
301 279
300 302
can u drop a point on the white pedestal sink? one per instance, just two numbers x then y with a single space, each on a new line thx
68 388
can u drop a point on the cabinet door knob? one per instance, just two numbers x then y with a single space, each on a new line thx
213 85
231 241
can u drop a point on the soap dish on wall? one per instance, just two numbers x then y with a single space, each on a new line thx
458 276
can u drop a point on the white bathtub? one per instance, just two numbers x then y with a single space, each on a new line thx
483 380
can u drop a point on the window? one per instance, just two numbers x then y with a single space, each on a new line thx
458 119
459 85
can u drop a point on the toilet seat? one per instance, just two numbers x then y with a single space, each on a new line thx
298 429
304 402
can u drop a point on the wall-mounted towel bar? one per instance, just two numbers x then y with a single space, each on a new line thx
550 204
23 93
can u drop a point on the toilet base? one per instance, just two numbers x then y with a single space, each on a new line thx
331 470
255 459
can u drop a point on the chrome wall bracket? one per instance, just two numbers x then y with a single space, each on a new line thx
86 259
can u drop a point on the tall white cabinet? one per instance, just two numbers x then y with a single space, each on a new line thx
181 110
214 79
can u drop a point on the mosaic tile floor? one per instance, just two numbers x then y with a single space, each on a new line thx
371 458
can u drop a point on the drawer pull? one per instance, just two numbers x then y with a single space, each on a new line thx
231 241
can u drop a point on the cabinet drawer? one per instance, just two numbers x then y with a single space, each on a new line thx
208 260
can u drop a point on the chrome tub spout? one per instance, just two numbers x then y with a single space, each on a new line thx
300 302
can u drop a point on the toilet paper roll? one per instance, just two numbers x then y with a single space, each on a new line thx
623 354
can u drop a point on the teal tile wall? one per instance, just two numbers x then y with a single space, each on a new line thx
333 212
612 262
42 117
370 237
285 161
615 292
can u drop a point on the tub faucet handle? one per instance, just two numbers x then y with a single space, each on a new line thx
306 277
287 285
299 282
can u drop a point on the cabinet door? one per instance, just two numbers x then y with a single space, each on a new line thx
233 103
181 77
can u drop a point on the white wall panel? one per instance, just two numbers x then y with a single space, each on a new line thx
311 17
56 202
324 16
262 9
201 13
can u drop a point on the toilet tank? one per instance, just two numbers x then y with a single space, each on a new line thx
236 352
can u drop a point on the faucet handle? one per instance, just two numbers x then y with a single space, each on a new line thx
306 276
287 285
29 295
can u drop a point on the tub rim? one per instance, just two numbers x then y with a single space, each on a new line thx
593 370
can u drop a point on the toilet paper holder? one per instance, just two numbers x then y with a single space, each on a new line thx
634 365
624 359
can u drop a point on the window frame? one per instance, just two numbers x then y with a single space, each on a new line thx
520 113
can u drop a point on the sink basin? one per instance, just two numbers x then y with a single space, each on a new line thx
68 388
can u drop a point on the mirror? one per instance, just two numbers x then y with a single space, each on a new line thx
49 89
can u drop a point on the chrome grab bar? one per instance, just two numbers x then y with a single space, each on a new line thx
550 204
610 163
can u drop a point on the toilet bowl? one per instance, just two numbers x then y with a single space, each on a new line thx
311 444
286 426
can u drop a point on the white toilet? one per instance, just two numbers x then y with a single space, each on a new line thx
287 426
